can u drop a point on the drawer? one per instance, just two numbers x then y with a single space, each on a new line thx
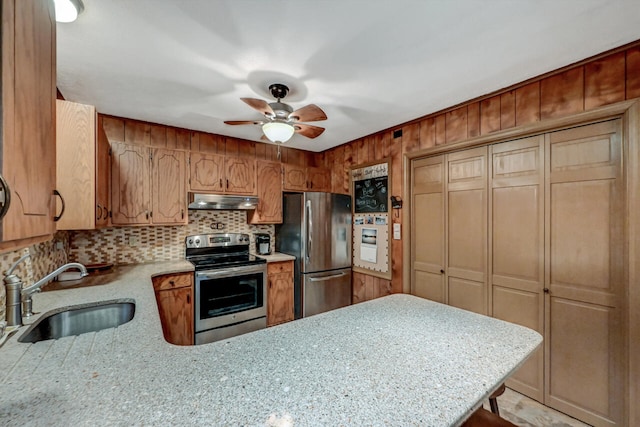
280 267
172 281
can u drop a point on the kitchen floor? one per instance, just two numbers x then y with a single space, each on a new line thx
526 412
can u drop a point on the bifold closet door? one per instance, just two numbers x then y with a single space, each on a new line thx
466 230
428 229
584 272
516 230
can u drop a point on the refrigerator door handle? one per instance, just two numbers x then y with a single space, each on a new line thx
309 236
322 279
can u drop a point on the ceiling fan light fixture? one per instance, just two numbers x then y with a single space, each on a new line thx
278 131
68 10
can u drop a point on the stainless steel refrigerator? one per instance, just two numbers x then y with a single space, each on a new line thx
316 229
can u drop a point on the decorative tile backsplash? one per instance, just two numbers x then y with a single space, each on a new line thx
123 245
45 257
130 245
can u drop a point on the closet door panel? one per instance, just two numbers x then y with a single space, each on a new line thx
517 247
466 218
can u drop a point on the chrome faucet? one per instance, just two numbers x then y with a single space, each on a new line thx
17 295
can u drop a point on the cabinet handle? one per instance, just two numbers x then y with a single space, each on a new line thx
106 213
172 283
5 197
269 283
188 298
441 271
100 210
57 218
146 214
182 213
220 182
546 291
227 184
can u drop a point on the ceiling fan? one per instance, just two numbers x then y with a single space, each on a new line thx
281 121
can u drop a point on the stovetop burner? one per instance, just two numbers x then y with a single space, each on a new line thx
219 250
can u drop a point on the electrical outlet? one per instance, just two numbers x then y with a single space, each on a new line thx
59 246
133 241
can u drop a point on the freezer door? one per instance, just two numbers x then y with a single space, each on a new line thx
326 291
326 232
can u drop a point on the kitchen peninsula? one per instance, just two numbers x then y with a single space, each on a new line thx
397 360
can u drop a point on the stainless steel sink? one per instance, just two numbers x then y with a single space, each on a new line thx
80 319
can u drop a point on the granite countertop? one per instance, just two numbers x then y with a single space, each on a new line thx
277 257
398 360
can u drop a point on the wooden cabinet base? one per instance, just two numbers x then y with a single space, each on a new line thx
174 296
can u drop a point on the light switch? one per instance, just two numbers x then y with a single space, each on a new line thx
396 231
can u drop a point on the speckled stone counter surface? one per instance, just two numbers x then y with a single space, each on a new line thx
399 360
277 257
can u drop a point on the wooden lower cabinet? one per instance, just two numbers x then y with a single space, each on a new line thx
279 292
174 296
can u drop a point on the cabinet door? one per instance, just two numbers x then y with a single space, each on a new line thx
269 210
206 172
584 272
466 271
28 109
516 222
76 164
176 315
318 179
280 292
103 175
240 175
130 188
295 178
427 221
168 187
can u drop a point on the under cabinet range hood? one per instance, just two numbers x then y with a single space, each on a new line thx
221 202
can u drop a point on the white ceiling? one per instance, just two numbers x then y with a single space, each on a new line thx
369 64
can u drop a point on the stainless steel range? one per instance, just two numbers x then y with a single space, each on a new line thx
230 286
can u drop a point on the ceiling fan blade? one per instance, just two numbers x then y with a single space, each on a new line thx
309 131
260 105
244 122
310 113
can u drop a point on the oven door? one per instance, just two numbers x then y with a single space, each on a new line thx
230 295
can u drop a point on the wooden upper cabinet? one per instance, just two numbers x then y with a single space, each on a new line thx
240 175
222 174
28 117
318 179
206 172
130 186
269 210
148 185
300 178
295 178
82 167
168 189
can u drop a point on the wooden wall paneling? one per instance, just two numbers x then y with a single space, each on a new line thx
441 129
265 151
348 162
397 187
562 94
114 128
371 146
528 104
247 149
384 145
261 151
490 115
411 138
427 133
456 125
292 157
158 136
138 133
633 73
207 143
358 288
369 287
604 81
508 109
473 119
232 146
362 151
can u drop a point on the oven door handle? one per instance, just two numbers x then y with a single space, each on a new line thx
233 271
322 279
